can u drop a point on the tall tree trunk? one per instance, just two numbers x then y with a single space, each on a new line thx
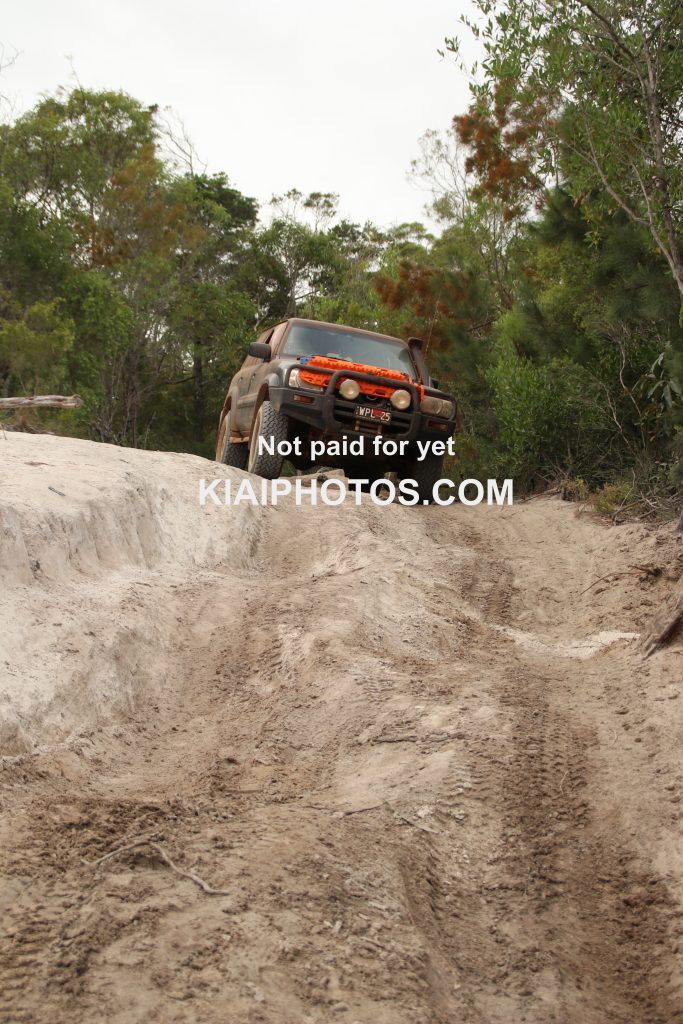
131 397
199 398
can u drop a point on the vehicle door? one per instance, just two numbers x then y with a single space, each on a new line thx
261 370
245 381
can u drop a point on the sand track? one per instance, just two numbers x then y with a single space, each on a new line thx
437 779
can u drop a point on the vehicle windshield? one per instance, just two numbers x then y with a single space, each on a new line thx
306 340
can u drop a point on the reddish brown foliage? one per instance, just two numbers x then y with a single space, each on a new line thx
502 138
137 218
437 299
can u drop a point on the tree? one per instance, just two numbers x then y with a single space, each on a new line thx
298 247
605 305
210 314
60 156
446 301
478 228
589 90
141 258
33 344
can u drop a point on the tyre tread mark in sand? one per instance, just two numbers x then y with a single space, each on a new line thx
560 859
606 935
452 877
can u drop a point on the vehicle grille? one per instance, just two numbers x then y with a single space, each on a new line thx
345 412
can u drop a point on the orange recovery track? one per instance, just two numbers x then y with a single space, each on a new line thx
380 390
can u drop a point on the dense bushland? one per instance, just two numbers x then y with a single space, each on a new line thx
549 298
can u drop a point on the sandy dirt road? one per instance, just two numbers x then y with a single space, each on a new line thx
431 770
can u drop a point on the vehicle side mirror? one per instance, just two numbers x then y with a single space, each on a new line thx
435 382
260 350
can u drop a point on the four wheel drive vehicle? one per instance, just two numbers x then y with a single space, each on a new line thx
321 382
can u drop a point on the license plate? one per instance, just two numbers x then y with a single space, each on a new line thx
368 413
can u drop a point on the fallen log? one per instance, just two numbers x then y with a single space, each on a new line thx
43 401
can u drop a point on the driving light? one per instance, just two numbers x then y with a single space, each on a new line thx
295 381
349 389
437 406
400 399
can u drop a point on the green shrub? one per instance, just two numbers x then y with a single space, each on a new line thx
612 498
553 420
575 489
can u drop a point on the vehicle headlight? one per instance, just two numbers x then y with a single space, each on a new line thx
349 389
400 399
295 381
437 406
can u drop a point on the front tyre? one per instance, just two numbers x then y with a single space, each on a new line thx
425 473
274 427
229 453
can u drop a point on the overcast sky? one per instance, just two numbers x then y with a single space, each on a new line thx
305 94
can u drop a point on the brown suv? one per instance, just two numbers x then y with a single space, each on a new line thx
317 381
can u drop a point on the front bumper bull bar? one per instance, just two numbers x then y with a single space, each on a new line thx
333 415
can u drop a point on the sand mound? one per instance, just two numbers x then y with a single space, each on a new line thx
419 748
87 534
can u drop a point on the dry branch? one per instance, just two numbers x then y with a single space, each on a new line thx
43 401
648 570
159 850
409 738
416 824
